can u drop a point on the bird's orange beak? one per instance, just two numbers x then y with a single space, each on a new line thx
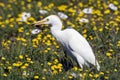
39 22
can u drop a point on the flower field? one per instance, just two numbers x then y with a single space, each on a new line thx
25 55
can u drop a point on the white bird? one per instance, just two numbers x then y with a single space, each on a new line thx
73 42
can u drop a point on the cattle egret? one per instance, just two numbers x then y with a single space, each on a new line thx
73 42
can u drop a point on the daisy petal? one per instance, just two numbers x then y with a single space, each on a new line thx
43 11
87 10
36 31
84 20
62 15
112 6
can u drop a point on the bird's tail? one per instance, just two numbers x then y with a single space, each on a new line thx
97 65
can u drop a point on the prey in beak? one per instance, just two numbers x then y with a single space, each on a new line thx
39 24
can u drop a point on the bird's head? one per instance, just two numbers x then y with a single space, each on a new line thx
52 20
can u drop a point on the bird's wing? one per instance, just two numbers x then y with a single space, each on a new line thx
80 46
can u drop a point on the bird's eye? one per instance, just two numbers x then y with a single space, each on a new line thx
47 19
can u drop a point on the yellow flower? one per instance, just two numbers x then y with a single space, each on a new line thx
107 11
29 6
80 4
2 26
1 17
1 64
48 48
51 5
118 43
80 69
9 6
5 75
17 64
101 29
22 3
115 70
2 4
60 70
102 73
90 75
36 77
97 12
91 37
53 67
21 56
28 0
20 29
39 4
3 58
6 21
84 31
28 59
60 64
24 44
106 77
27 22
96 75
70 76
18 38
46 51
56 61
31 19
45 70
75 68
49 63
43 78
108 54
105 5
9 15
49 36
11 25
62 7
81 75
23 67
26 64
71 10
18 19
23 40
85 35
35 46
9 67
55 72
48 43
27 33
116 12
1 23
115 2
111 50
81 14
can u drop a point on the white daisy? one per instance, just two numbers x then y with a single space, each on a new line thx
87 10
36 31
74 75
112 6
24 17
84 20
43 11
62 15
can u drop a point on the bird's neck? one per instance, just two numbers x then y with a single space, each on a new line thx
56 30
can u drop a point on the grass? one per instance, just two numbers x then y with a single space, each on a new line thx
24 56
